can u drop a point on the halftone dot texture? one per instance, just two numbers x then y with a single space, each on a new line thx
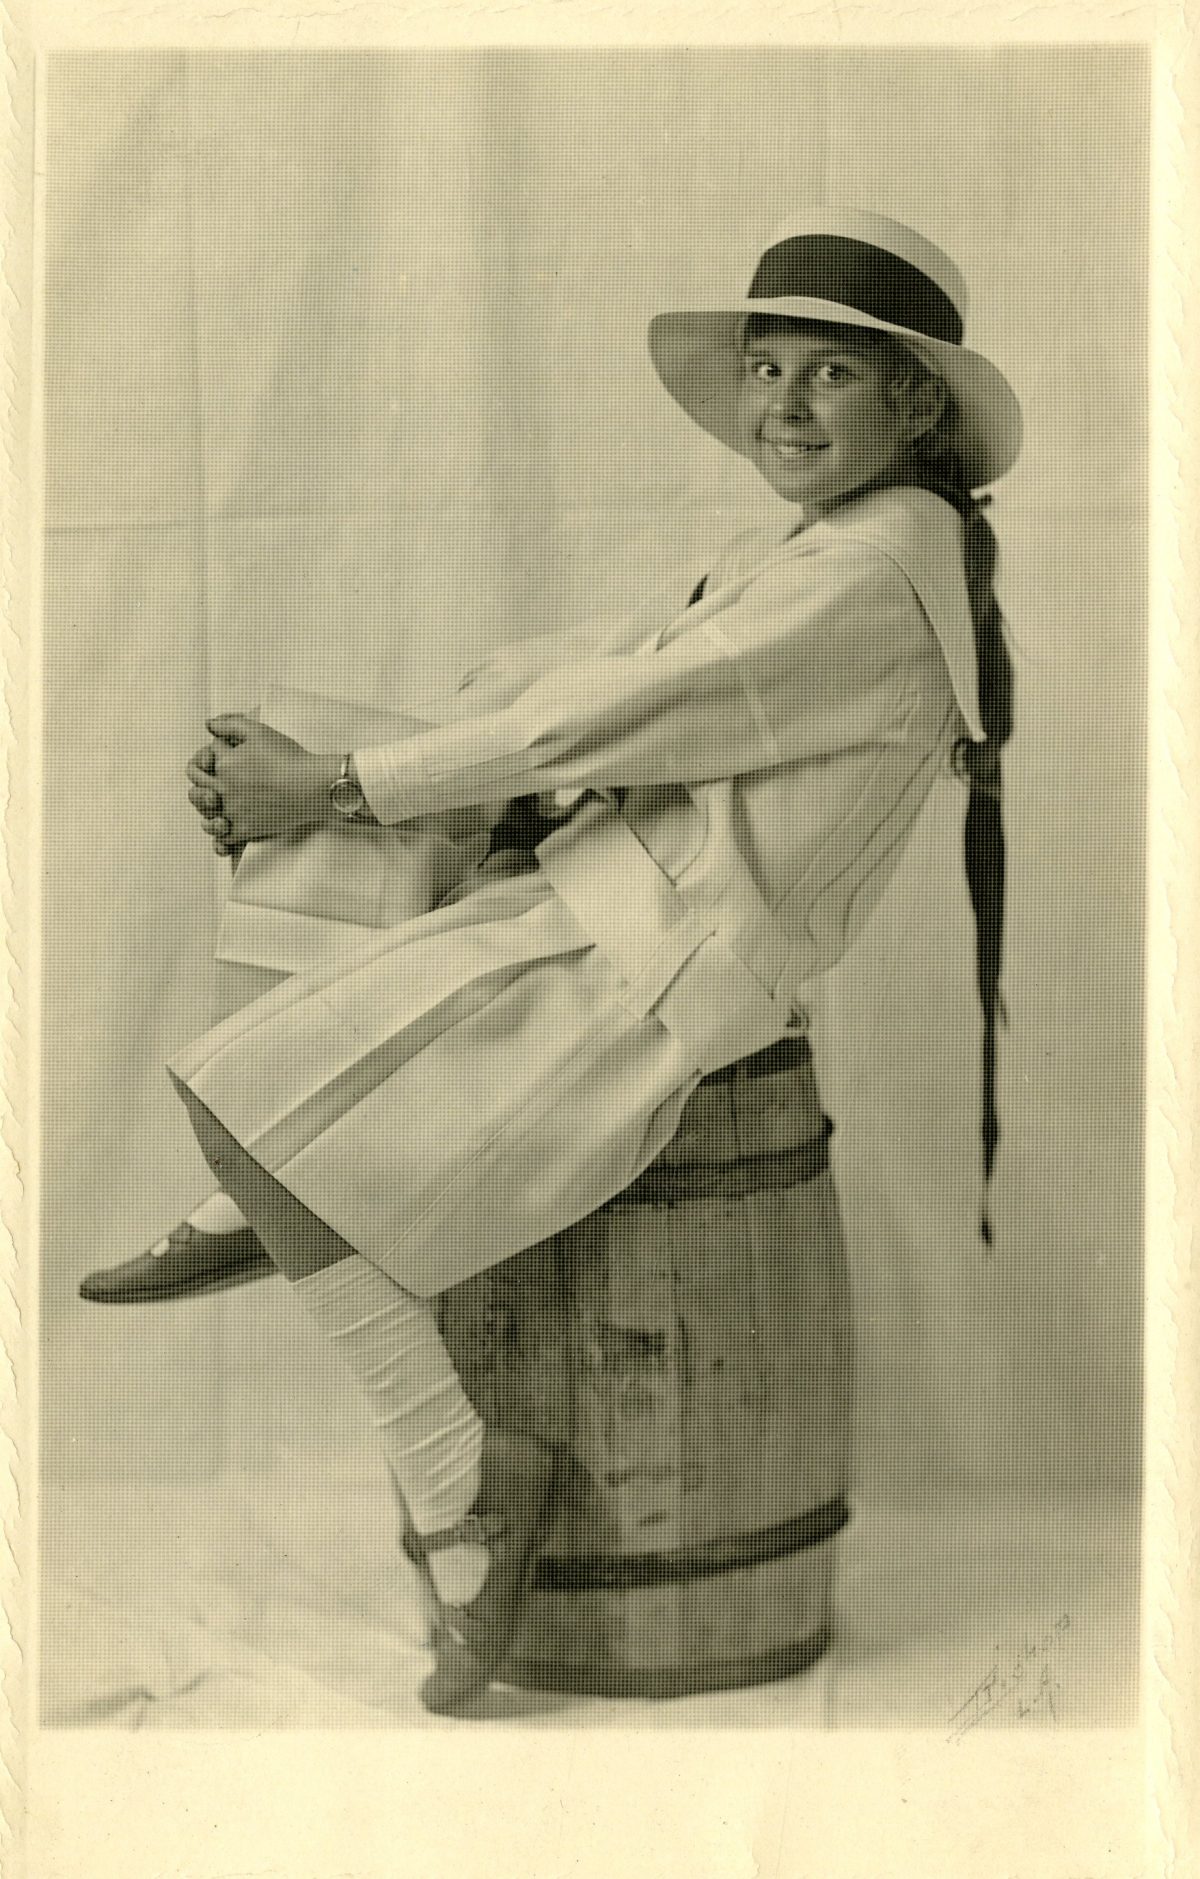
346 374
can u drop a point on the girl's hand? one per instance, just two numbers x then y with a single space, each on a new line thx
206 800
253 783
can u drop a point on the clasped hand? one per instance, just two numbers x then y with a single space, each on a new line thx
252 783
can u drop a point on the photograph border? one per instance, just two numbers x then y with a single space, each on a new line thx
539 1804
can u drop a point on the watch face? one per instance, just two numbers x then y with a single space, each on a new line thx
346 796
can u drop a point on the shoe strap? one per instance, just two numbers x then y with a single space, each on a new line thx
472 1530
174 1242
170 1243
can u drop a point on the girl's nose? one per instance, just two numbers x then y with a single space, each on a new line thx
788 397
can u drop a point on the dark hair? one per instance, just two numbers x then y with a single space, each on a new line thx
937 467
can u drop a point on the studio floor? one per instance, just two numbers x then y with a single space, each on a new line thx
224 1557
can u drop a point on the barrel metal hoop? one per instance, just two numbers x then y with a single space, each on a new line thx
626 1572
688 1679
665 1184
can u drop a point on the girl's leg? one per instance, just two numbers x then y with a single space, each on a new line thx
389 1340
235 986
217 1214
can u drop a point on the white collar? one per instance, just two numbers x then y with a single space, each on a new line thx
923 535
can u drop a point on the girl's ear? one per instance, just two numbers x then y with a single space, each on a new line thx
926 405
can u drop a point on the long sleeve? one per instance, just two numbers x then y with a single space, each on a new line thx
814 656
496 681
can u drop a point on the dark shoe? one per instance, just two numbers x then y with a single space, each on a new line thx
191 1263
510 1518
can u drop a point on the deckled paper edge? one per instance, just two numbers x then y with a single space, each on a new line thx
886 1772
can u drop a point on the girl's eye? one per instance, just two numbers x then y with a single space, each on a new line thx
831 373
765 369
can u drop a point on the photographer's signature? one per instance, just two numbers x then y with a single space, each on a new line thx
1023 1684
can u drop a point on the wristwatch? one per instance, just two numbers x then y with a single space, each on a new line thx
346 795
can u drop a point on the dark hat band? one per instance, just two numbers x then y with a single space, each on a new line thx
857 274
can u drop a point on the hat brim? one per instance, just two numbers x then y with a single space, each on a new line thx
697 355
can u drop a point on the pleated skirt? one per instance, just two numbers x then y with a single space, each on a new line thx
454 1090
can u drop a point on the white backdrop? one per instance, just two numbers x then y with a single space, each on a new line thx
346 376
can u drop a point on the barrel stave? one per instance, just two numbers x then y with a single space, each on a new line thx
692 1360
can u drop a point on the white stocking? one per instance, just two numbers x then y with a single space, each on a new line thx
429 1432
217 1214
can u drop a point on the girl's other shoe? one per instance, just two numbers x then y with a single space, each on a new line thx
188 1263
510 1518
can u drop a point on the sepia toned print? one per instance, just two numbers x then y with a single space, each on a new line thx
350 410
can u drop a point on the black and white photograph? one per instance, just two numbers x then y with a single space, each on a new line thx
594 665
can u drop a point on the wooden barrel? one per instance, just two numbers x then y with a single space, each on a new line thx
689 1349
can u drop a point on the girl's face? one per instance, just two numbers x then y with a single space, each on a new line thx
820 417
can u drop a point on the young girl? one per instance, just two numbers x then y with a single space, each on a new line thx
733 794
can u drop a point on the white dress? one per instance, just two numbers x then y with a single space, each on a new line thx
463 1085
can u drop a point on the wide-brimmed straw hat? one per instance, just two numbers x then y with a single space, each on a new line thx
853 269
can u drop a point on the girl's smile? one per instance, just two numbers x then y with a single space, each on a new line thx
819 416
